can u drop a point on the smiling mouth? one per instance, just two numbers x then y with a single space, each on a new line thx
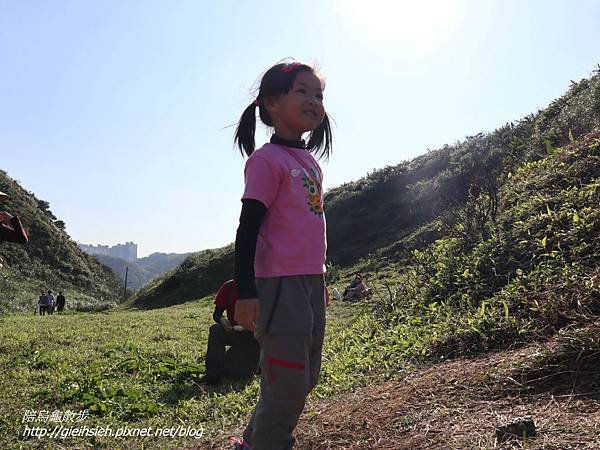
311 113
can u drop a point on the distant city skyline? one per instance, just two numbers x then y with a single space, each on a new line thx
127 251
119 114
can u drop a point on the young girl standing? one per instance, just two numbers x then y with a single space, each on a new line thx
280 247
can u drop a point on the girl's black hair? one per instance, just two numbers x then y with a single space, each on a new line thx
276 81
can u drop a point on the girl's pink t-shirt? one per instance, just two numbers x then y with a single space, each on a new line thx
292 237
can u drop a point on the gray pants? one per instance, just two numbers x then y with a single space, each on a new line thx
290 332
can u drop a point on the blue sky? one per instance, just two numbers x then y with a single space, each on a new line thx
117 112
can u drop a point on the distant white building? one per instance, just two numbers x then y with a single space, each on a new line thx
127 251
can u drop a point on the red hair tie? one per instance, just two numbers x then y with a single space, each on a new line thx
291 67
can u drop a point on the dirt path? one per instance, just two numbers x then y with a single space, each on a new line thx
451 405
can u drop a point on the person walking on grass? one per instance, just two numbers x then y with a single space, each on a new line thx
50 303
60 302
280 248
43 303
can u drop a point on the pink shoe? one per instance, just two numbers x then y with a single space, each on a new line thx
239 443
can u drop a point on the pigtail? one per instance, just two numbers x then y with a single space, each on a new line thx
321 139
244 133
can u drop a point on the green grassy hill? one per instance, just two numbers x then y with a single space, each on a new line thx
158 263
136 276
143 270
197 276
50 260
380 219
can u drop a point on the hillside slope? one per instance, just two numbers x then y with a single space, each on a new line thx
197 276
136 276
50 260
379 220
158 263
143 270
386 206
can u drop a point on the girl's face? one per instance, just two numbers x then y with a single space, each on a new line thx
300 110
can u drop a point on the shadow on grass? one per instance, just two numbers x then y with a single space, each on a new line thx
187 386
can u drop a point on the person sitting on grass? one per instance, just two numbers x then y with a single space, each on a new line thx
356 289
242 357
353 283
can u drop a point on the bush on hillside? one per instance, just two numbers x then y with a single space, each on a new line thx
534 271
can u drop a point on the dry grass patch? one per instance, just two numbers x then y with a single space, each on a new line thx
453 405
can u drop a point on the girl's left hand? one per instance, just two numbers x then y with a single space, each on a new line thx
326 296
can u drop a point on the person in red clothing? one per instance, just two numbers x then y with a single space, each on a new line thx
241 359
11 229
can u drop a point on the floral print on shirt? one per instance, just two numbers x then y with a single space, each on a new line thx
315 196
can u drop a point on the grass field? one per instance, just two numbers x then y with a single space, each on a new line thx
139 369
134 373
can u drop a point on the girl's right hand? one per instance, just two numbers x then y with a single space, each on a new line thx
247 313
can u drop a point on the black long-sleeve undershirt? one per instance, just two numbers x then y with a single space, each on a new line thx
252 215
